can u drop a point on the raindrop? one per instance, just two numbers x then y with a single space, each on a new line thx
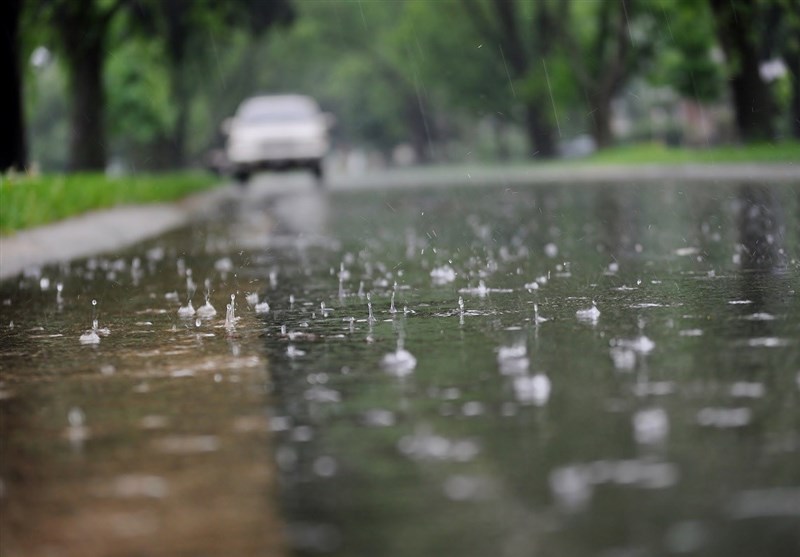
590 315
76 417
536 317
187 310
532 389
724 417
224 265
207 311
443 275
650 426
371 317
400 362
325 466
230 314
92 336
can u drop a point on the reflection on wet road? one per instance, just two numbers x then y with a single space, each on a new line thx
587 370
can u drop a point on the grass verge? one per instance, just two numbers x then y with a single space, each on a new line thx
32 201
654 153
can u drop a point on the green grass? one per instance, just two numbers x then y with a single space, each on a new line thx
32 201
653 153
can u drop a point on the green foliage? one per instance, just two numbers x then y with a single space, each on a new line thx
139 107
31 201
656 153
412 71
686 51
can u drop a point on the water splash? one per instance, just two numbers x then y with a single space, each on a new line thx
92 336
443 275
392 309
207 311
482 290
230 314
513 360
187 310
262 307
590 315
532 389
650 426
371 317
400 362
537 319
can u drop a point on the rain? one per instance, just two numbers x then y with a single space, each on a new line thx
455 329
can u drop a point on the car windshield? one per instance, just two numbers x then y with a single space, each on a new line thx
263 111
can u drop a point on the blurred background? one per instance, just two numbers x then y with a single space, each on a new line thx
144 85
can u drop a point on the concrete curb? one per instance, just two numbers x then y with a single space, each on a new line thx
100 231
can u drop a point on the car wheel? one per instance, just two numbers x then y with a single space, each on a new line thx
316 170
241 177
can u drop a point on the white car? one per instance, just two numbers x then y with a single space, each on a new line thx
277 132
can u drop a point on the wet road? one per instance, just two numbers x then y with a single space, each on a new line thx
500 370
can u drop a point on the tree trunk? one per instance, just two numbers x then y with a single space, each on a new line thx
752 101
792 58
794 112
419 128
13 151
601 121
177 36
178 142
540 132
87 149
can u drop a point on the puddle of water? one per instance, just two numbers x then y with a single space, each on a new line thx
150 438
496 413
632 429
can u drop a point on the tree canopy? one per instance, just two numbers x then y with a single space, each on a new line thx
147 82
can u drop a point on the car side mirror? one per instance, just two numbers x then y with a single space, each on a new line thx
226 125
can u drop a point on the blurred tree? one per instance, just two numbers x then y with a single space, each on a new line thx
786 42
604 53
378 68
461 67
81 30
739 26
185 26
526 35
13 151
685 56
85 31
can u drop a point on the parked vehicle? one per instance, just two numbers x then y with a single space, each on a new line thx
277 132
